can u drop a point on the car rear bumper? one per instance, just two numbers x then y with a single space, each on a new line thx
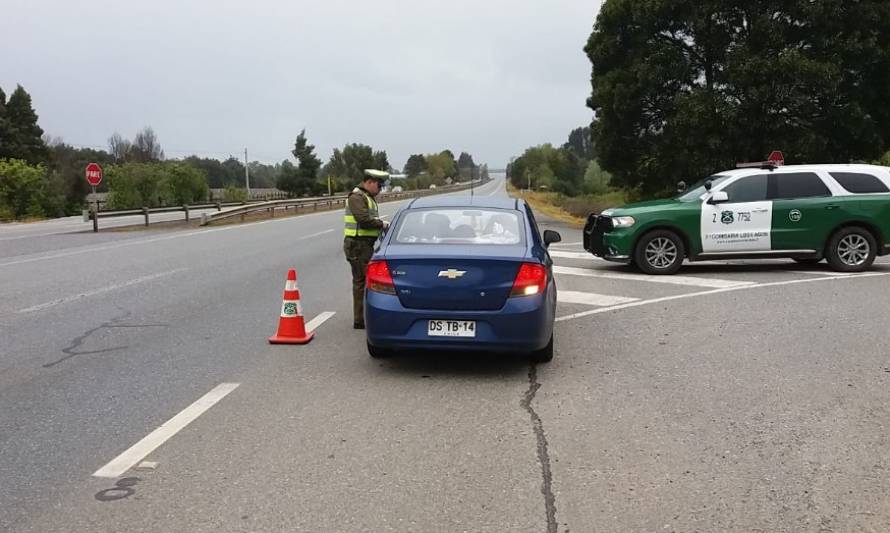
523 325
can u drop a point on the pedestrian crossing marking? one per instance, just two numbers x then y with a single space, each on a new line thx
713 283
571 255
591 298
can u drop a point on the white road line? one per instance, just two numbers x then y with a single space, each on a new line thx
708 293
591 298
315 235
109 288
671 280
125 461
821 273
572 255
313 324
561 244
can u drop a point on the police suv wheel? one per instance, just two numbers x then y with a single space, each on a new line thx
851 249
660 252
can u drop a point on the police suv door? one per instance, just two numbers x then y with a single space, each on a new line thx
804 211
742 224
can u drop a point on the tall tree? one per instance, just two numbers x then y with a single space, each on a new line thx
415 165
26 136
6 137
581 142
305 154
119 147
682 88
146 146
465 166
353 159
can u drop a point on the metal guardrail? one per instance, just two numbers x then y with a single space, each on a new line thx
327 201
244 208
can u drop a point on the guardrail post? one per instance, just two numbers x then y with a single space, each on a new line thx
272 212
218 206
186 209
145 212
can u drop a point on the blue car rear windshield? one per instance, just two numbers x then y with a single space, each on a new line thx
456 225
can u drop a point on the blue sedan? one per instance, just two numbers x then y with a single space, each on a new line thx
461 273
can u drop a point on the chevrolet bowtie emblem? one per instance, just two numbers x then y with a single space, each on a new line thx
452 273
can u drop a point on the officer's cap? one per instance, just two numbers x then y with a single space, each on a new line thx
378 175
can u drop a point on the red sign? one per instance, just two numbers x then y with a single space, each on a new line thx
94 174
777 157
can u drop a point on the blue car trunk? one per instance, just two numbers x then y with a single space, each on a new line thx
453 277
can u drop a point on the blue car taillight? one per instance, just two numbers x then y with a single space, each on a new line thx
378 278
531 279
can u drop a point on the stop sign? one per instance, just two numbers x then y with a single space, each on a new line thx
777 157
94 174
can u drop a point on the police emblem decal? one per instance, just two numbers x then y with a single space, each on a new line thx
727 217
795 215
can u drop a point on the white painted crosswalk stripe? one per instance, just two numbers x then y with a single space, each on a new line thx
591 298
571 255
670 280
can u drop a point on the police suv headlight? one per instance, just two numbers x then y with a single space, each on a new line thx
623 222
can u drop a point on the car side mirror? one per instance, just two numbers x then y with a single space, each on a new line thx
551 236
718 197
681 187
708 185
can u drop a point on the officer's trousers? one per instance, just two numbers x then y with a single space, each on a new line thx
358 252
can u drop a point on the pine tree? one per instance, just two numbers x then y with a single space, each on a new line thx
27 137
6 138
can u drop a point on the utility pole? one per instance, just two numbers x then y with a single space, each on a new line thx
329 186
246 174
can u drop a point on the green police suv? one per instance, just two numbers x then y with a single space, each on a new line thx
840 213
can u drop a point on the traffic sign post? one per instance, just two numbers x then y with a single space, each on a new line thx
94 178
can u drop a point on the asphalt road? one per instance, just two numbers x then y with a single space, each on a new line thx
743 396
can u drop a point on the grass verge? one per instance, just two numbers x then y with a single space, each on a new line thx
570 209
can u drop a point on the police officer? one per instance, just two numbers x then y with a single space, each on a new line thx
362 227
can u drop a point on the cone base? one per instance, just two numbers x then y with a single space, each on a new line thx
276 339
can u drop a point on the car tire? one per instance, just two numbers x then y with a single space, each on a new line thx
660 252
851 249
545 354
378 353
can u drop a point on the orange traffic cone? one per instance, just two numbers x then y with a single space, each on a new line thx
291 328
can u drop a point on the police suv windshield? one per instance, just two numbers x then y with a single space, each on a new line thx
696 191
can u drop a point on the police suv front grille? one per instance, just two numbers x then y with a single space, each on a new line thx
594 229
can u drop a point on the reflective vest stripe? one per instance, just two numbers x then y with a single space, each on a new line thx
351 225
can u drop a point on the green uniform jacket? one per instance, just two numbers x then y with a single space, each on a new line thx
359 208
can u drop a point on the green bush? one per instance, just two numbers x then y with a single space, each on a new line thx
28 191
234 194
133 185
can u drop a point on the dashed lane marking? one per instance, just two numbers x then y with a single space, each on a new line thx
139 451
591 298
671 280
313 324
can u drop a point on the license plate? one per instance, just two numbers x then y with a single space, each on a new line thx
451 328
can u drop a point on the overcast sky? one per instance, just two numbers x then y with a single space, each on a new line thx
212 77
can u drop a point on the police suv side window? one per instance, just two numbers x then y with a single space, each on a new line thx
858 183
797 185
750 189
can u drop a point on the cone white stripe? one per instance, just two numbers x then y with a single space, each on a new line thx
290 285
296 304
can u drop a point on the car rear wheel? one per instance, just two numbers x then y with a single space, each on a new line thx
377 352
545 354
660 252
851 249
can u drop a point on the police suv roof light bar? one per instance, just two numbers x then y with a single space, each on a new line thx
765 165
